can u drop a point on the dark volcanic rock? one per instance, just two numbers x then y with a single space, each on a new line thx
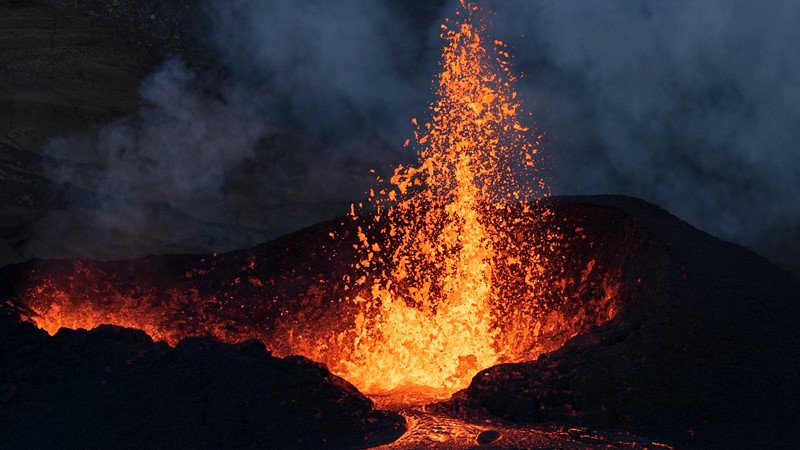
114 388
487 437
705 350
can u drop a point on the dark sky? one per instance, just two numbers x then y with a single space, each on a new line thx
692 105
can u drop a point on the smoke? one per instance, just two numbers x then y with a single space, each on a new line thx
331 65
689 104
156 177
312 96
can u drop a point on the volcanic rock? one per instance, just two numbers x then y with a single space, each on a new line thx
667 332
115 388
487 437
165 28
704 352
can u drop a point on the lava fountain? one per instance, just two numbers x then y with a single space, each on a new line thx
455 264
430 282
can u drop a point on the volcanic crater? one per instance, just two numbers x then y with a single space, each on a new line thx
660 330
459 306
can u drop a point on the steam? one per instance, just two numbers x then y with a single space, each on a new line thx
155 177
315 95
689 104
331 65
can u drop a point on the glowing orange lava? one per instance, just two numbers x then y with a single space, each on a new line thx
458 265
428 312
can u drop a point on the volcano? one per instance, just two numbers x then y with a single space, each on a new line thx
458 305
664 331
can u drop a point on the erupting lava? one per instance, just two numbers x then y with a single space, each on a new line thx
456 270
431 261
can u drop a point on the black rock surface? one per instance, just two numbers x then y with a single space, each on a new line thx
115 388
705 351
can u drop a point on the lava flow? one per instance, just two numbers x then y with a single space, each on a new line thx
457 266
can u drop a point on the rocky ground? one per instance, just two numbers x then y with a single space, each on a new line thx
704 353
70 67
703 350
115 388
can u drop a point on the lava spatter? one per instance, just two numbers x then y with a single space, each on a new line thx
430 280
454 265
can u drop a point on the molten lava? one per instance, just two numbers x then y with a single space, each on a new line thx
458 266
441 227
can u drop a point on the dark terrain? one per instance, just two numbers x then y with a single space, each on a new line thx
703 351
115 388
60 72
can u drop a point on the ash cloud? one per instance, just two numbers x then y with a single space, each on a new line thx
689 104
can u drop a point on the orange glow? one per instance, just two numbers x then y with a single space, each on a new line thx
87 297
457 266
428 317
